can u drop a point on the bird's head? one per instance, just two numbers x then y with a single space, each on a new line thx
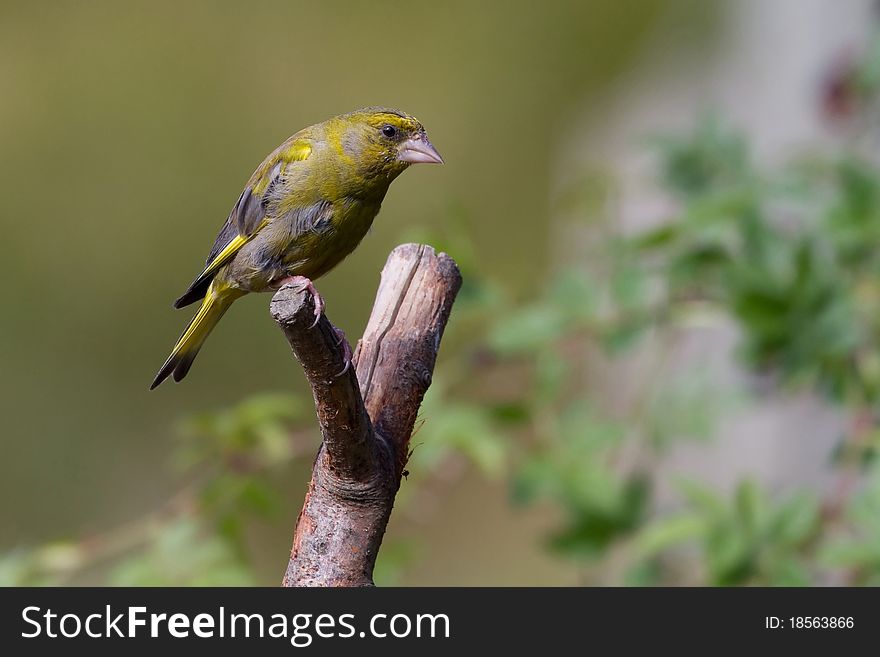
383 142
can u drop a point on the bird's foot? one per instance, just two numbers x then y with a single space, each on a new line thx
346 350
306 284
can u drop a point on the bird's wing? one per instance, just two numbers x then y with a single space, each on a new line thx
248 215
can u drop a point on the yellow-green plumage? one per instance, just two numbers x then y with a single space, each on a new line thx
305 208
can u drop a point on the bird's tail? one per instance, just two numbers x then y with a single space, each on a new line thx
217 300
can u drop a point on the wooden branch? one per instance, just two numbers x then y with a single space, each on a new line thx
365 438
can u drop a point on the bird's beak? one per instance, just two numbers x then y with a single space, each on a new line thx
419 149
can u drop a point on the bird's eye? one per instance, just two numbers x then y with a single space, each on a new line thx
389 130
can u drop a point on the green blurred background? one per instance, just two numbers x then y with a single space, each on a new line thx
127 131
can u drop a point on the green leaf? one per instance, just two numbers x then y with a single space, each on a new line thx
706 500
463 428
591 531
551 372
666 533
713 156
182 554
750 507
393 560
657 238
797 520
575 295
628 285
258 427
528 329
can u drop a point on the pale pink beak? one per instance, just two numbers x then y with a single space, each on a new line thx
419 150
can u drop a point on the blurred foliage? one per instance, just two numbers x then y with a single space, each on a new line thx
226 461
788 256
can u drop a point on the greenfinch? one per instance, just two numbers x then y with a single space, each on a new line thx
304 209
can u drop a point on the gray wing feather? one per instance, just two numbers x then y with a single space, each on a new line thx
246 215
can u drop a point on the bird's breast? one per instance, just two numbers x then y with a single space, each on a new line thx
307 240
332 231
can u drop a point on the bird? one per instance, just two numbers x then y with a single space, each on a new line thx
304 209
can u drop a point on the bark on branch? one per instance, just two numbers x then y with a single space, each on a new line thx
367 414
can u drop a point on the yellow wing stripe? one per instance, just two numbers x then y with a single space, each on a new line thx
296 152
229 250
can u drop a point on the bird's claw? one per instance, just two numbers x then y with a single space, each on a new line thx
306 284
319 305
346 350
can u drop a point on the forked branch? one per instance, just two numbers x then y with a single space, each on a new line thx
366 414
